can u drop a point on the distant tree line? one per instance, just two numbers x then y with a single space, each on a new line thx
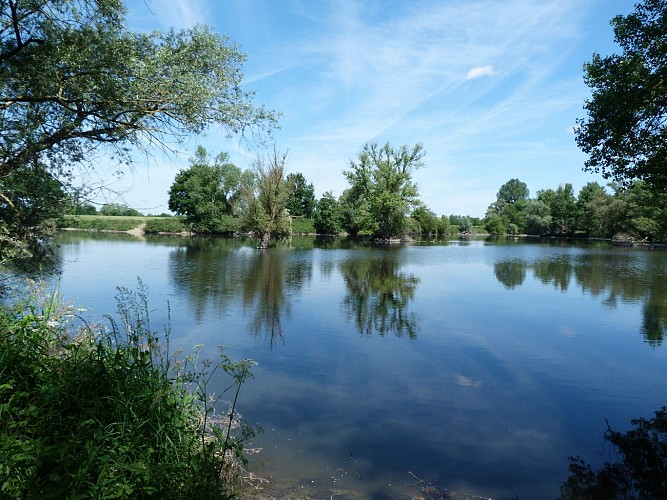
382 201
634 210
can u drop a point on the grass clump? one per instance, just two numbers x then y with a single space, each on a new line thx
105 412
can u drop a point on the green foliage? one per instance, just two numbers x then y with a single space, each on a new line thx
303 225
381 193
496 224
104 413
208 193
506 214
593 206
100 222
427 222
300 196
165 225
465 225
118 210
625 133
74 80
538 218
513 191
455 220
634 210
29 201
640 212
641 470
562 208
265 197
328 215
84 209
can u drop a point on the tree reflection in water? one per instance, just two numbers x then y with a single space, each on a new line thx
641 471
511 273
614 279
267 287
216 271
378 295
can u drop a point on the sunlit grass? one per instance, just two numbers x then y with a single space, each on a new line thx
106 412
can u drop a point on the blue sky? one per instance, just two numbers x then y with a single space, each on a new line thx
492 88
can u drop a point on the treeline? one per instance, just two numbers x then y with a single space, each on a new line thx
215 196
108 209
635 211
209 198
382 201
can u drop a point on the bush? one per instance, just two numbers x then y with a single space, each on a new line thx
100 413
165 225
302 225
100 222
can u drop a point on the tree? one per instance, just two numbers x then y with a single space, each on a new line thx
538 217
327 217
513 191
562 208
592 211
28 199
208 192
300 196
118 209
496 224
265 198
427 220
643 212
466 225
506 214
382 192
75 82
625 132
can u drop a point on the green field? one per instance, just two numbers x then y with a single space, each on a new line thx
121 223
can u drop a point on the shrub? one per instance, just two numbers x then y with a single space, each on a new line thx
302 225
100 413
100 222
165 225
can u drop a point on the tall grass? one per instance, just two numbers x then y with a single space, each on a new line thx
101 412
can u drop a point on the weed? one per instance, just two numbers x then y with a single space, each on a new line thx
107 412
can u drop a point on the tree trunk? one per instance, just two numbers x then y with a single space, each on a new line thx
264 240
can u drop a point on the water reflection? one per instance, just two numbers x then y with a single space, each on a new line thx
641 470
267 288
210 272
511 273
378 295
215 272
612 277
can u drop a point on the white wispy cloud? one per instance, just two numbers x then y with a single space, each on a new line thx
479 71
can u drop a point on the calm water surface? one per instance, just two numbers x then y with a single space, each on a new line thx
475 366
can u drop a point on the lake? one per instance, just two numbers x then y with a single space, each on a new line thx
468 366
